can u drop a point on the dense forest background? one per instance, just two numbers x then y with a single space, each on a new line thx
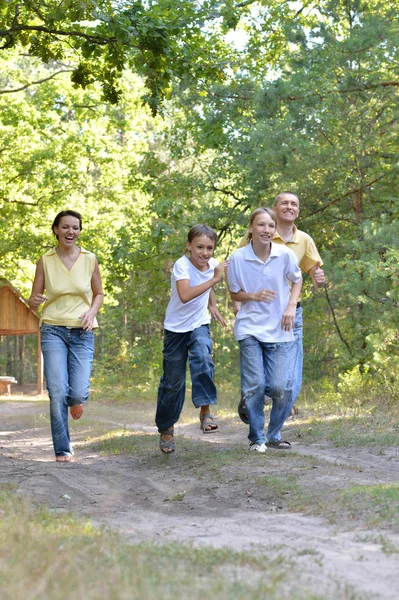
149 117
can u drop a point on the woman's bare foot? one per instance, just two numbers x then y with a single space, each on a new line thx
63 459
76 411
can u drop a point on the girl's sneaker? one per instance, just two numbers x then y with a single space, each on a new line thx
255 447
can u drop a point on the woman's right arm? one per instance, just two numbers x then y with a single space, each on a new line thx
37 297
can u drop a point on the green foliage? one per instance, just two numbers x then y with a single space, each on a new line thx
157 40
299 99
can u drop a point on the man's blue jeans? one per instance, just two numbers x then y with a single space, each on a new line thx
265 369
68 357
297 370
197 347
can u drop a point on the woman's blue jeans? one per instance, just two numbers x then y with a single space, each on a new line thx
197 347
266 369
68 357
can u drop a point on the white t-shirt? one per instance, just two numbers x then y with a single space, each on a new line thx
191 315
249 273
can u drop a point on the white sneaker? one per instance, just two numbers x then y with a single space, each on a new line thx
255 447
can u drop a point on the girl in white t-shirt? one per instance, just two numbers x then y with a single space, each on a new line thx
187 335
265 278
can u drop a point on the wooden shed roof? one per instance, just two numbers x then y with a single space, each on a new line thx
16 317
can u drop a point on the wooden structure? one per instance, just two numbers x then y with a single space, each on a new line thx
5 384
17 318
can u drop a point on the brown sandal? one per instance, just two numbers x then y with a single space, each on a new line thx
167 446
208 421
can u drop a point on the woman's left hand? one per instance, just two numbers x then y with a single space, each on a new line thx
87 319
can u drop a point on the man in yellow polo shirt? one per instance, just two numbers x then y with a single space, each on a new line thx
286 207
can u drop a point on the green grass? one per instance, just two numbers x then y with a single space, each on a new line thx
51 556
378 504
366 506
364 429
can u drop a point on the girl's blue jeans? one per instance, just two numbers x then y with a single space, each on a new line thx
68 357
197 347
266 368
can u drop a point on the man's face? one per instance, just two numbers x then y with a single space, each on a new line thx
287 208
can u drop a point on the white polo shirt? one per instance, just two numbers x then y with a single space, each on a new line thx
249 273
181 317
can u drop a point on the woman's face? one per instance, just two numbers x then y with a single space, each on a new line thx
67 231
262 229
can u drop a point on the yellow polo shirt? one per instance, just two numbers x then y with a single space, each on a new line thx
69 293
303 247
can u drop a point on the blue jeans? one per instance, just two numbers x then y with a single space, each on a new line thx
265 369
297 369
68 357
197 347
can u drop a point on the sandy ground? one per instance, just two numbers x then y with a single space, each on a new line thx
118 491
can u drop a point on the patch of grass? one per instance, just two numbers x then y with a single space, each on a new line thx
371 506
47 556
387 546
120 441
365 429
378 505
282 486
122 391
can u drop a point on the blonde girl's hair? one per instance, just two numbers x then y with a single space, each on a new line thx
263 209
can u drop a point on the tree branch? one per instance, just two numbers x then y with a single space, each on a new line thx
341 337
24 87
101 40
381 299
350 193
360 88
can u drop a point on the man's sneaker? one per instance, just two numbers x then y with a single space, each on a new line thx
255 447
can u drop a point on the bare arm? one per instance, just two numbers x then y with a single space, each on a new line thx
213 309
288 320
262 296
98 298
36 297
187 293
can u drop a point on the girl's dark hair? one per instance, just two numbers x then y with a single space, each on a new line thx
199 230
66 213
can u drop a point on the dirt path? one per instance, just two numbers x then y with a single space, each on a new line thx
124 493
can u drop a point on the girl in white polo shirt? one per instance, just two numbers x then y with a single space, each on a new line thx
187 335
259 276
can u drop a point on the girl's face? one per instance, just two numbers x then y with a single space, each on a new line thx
67 231
262 229
201 248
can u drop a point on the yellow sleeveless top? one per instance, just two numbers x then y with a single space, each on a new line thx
69 293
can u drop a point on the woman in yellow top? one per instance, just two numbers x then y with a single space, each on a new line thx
70 278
